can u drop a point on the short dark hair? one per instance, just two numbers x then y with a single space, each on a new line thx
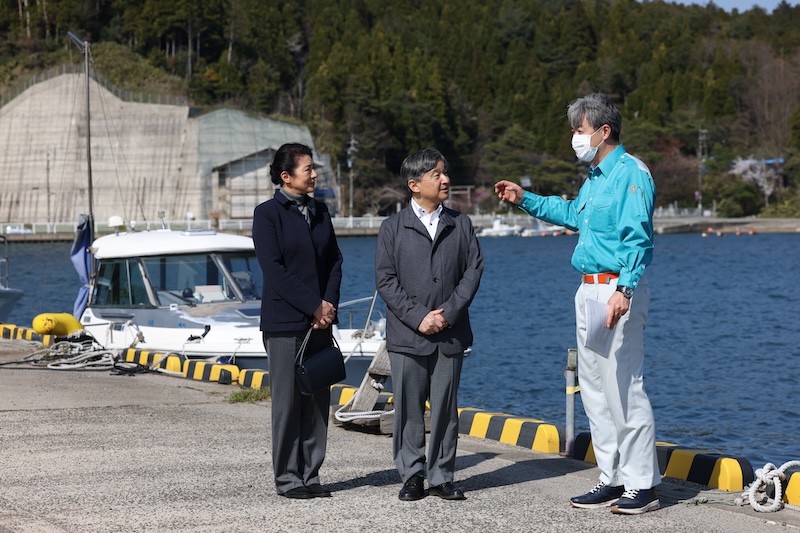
286 160
598 110
418 163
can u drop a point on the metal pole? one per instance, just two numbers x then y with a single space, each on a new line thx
350 207
48 191
572 389
702 149
85 47
351 159
339 187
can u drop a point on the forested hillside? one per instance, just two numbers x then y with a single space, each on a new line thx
485 81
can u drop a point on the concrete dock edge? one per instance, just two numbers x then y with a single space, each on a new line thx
704 467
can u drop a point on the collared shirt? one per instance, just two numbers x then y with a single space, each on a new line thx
429 220
613 214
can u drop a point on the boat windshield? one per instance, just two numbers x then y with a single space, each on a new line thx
178 279
204 278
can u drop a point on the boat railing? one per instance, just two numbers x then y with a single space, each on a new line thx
369 327
351 316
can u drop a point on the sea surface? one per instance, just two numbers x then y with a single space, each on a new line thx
722 364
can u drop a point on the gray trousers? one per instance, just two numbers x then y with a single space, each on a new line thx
416 379
299 422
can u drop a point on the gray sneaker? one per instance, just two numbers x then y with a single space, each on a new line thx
636 501
601 495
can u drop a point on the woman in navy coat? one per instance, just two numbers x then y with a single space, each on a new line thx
302 266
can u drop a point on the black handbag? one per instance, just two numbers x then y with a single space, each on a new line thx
320 369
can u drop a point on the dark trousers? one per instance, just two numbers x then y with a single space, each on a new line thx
416 379
299 422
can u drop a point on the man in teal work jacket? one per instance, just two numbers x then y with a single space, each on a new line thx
613 213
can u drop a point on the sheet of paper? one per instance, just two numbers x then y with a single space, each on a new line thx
598 336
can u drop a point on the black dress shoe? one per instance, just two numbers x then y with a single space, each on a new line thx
413 489
297 493
447 491
318 491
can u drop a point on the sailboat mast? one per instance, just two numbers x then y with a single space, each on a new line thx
85 48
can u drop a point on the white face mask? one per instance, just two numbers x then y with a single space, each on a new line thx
582 144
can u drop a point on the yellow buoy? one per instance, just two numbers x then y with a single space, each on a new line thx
56 324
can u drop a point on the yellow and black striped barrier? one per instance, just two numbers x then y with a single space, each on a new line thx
16 333
171 362
216 373
792 493
698 466
341 394
191 369
528 433
253 378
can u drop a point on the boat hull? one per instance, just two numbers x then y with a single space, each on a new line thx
8 299
212 339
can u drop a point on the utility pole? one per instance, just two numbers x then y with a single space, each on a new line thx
351 159
702 154
339 189
48 190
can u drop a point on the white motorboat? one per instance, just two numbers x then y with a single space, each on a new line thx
543 229
198 293
8 296
500 229
194 293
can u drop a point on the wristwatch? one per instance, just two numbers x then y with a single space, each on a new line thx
627 292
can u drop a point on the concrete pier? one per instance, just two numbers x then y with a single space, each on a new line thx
86 451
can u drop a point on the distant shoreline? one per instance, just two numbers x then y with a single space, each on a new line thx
662 225
727 225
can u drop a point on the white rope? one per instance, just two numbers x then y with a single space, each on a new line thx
348 416
96 359
154 367
139 337
59 350
757 496
79 350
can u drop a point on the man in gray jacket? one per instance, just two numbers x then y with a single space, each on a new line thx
428 266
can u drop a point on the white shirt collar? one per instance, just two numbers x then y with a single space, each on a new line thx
429 220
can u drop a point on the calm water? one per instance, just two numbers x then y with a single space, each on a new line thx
723 352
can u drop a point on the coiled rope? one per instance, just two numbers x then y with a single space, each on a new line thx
91 360
79 350
757 493
348 416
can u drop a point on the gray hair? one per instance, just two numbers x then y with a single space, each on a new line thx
418 163
598 110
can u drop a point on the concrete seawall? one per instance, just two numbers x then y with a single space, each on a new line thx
91 451
720 226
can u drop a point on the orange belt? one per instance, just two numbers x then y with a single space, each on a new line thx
600 278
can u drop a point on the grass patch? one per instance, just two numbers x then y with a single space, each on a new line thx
250 395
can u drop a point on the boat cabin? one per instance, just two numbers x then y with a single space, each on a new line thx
161 269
